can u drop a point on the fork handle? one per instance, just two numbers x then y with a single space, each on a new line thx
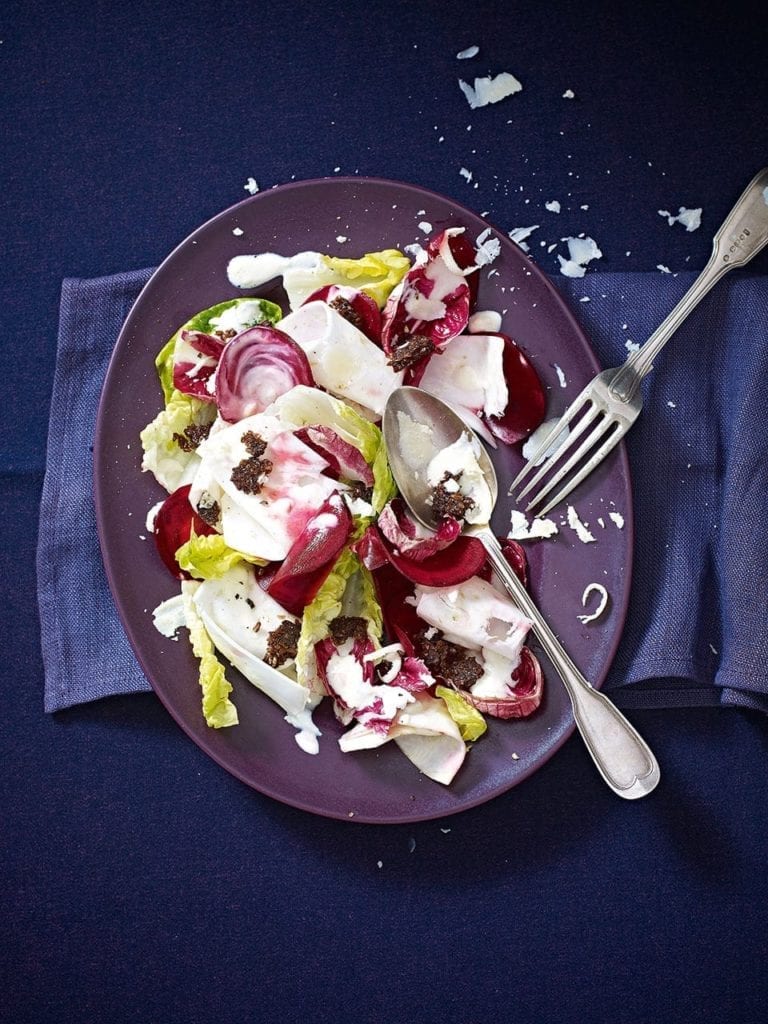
622 757
742 235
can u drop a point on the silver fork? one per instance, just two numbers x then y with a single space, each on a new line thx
605 410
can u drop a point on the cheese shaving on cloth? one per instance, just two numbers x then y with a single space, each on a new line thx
426 734
490 90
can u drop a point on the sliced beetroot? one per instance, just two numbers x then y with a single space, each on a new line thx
527 402
195 359
371 549
355 306
515 555
311 556
447 567
255 368
174 522
524 698
344 460
396 598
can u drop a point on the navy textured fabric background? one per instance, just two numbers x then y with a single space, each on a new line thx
140 881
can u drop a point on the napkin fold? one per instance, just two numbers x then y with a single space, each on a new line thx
696 631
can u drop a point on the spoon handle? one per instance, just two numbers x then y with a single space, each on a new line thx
622 757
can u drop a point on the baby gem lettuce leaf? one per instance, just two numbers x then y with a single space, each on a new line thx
209 557
471 723
218 710
375 273
171 465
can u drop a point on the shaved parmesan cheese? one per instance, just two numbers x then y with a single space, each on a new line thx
617 518
579 528
553 206
581 251
519 235
537 529
471 51
569 94
251 186
594 588
490 90
487 248
690 219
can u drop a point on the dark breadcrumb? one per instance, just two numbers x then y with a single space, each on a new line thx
450 503
357 489
209 512
248 476
450 662
193 436
347 627
345 309
282 643
410 350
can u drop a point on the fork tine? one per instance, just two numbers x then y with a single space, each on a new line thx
613 438
561 449
601 427
546 443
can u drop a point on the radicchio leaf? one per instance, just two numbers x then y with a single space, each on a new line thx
195 359
404 535
344 460
173 526
256 367
524 698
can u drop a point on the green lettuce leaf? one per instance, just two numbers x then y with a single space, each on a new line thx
218 710
347 590
375 273
471 723
170 464
209 557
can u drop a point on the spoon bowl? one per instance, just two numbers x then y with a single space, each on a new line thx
418 426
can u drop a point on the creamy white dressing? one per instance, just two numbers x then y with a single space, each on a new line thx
253 271
345 677
460 459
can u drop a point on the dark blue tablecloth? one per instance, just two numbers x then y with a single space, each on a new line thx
140 881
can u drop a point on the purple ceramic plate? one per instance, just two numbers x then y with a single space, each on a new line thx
350 216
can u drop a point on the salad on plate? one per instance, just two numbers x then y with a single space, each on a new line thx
298 562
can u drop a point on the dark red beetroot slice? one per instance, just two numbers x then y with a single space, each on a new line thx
395 593
255 368
446 568
311 557
527 402
528 680
192 378
365 314
515 555
344 460
173 527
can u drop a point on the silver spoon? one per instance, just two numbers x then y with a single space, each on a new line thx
622 757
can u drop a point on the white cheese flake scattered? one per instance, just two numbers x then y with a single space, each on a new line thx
471 51
537 529
617 518
581 251
672 405
466 174
490 90
237 231
553 206
518 235
488 248
341 238
594 588
251 186
569 94
663 269
425 226
579 528
560 376
690 219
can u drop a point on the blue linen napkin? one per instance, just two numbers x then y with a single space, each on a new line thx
696 633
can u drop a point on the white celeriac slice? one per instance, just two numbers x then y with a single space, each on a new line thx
343 360
230 607
469 372
424 732
265 524
476 616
